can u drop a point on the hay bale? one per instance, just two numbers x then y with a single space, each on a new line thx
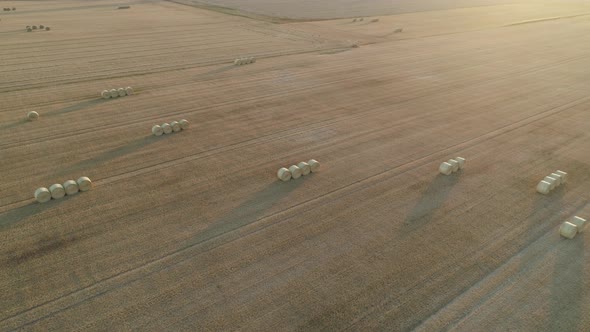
284 174
123 7
105 94
557 177
568 230
552 181
455 164
34 27
354 20
361 19
47 28
57 191
563 176
580 223
71 187
295 171
237 62
175 126
29 30
461 162
314 165
13 8
167 128
375 20
121 92
398 30
84 183
157 130
32 116
41 27
305 168
114 93
544 187
129 90
445 168
42 195
184 124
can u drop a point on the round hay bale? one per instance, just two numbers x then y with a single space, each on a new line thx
237 62
557 177
461 162
28 26
157 130
32 116
167 128
544 187
295 172
563 176
105 94
552 181
354 20
184 124
455 164
284 174
13 9
580 223
361 19
57 191
175 126
41 27
42 195
122 92
129 90
305 168
34 27
314 165
252 60
84 183
114 93
29 30
47 28
568 230
71 187
445 168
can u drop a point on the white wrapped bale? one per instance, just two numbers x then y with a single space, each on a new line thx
84 183
184 124
445 168
580 223
284 174
461 162
167 128
552 181
568 230
105 94
71 187
305 168
455 164
557 178
157 130
314 165
114 93
544 187
563 176
32 116
57 191
42 195
175 126
129 90
295 172
122 92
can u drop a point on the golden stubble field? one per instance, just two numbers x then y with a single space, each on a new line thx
193 231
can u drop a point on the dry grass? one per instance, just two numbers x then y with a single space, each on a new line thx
193 231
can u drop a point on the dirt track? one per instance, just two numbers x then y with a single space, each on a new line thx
193 231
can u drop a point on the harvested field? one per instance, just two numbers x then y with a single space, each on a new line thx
193 231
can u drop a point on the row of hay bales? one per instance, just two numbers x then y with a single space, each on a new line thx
9 9
244 61
451 165
30 28
569 229
169 128
57 191
296 171
551 182
114 93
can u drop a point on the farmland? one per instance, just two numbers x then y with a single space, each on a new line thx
193 231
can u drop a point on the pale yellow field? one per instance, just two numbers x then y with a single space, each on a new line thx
193 231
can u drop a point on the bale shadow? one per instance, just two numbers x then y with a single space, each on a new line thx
10 218
76 107
13 124
113 154
432 199
250 210
567 290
